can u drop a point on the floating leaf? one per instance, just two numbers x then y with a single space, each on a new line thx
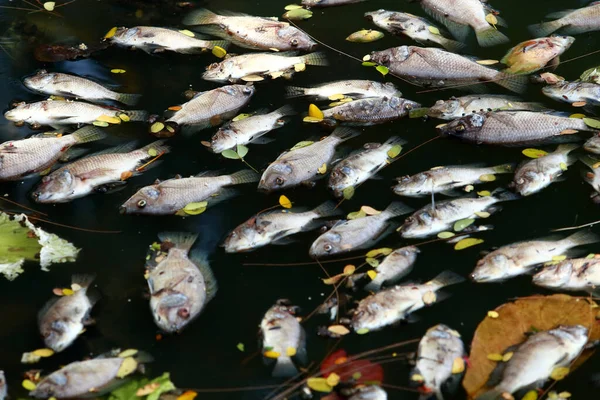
429 297
577 116
128 353
370 210
124 117
285 202
592 123
383 251
394 151
362 331
559 373
531 395
291 7
44 352
445 235
28 385
299 67
469 188
466 243
49 5
157 127
372 274
333 379
564 395
333 280
152 152
507 356
128 366
356 215
491 19
383 70
348 192
240 346
219 52
484 193
418 112
568 132
367 57
101 124
109 119
335 97
68 292
494 357
271 354
487 178
298 14
253 78
417 378
563 166
462 224
482 214
195 208
302 144
187 395
187 32
365 36
338 330
30 358
290 351
231 154
487 62
434 30
322 169
126 175
242 150
579 104
493 314
118 71
315 112
110 33
368 64
458 365
241 117
319 385
349 270
534 153
174 108
373 262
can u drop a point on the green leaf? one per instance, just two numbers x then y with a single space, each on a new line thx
165 386
418 112
462 224
592 123
302 144
231 154
394 151
445 235
298 14
466 243
240 346
128 390
368 64
591 75
348 192
373 262
383 70
242 150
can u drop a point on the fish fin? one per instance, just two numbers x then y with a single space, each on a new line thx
262 140
285 111
83 280
158 146
182 240
504 168
200 259
343 134
567 148
200 16
459 31
294 91
452 193
515 83
284 367
559 14
490 36
327 209
397 208
446 278
72 153
573 29
88 134
582 238
452 45
137 115
284 240
317 58
210 173
504 195
129 99
222 195
244 176
545 28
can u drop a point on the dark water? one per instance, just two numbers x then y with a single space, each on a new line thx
205 354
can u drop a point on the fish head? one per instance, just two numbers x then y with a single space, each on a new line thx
577 335
395 54
171 310
327 244
403 105
378 16
57 187
493 267
564 42
342 177
224 139
445 109
531 181
277 176
554 275
593 144
125 35
462 126
145 201
296 39
417 225
58 335
412 184
218 71
39 81
20 113
243 238
50 386
409 252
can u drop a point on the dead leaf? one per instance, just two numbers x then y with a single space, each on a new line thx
579 104
146 390
370 210
338 330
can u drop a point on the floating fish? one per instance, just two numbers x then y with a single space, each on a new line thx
571 22
574 92
393 267
533 55
457 107
370 111
350 88
579 274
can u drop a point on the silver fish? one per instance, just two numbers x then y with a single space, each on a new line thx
444 179
251 32
254 66
89 174
350 88
78 379
250 129
514 128
275 226
327 3
282 333
574 92
592 177
371 392
370 111
579 274
430 219
302 165
396 303
153 39
170 196
213 107
593 144
22 158
438 350
357 234
458 15
519 258
58 112
416 28
534 360
393 267
181 284
66 85
537 174
432 67
457 107
570 22
534 54
63 319
362 165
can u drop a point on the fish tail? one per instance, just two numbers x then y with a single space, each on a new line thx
397 208
514 83
286 110
452 45
284 367
581 238
200 260
504 168
490 36
130 99
567 148
317 58
494 394
158 146
327 209
181 240
201 16
295 91
343 134
137 115
545 28
446 278
88 134
244 176
83 280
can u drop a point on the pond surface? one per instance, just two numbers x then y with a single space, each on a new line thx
205 354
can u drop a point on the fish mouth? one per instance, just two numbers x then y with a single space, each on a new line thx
123 210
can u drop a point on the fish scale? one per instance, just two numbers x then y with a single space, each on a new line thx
59 112
371 110
37 151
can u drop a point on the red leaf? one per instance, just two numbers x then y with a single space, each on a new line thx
338 362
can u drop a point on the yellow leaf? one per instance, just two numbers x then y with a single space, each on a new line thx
124 117
335 97
291 7
126 175
445 235
507 356
434 30
68 292
298 14
484 193
44 352
356 215
28 385
482 214
319 385
101 124
285 202
531 395
367 57
128 366
322 169
146 390
417 378
152 152
118 71
157 127
109 119
219 52
311 119
578 116
564 395
240 117
365 36
568 132
493 314
534 153
487 62
429 297
494 357
369 210
487 178
559 373
384 251
127 353
349 270
195 208
253 78
362 331
469 188
394 151
559 258
372 274
458 365
271 354
491 19
290 351
333 280
338 330
187 32
563 166
315 112
188 395
111 33
348 192
356 376
299 67
466 243
49 5
333 379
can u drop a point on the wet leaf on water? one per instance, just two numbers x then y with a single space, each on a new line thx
298 14
319 385
242 150
187 395
365 36
68 292
187 32
271 354
592 123
110 33
333 379
507 356
315 112
241 117
418 112
534 153
117 71
469 188
458 365
348 192
338 330
174 108
559 373
394 151
466 243
434 30
372 274
124 117
152 152
157 127
126 175
370 210
302 144
577 116
445 235
493 314
219 52
285 202
367 57
30 358
429 297
128 366
417 378
362 331
494 357
57 291
300 67
127 353
373 262
462 224
487 62
195 208
109 119
335 97
482 214
333 280
491 19
383 251
487 178
368 63
579 104
349 270
44 352
322 169
240 346
383 70
101 124
231 154
563 166
531 395
290 351
291 7
49 5
28 385
564 395
356 215
147 389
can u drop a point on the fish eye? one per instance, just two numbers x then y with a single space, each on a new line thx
213 66
247 90
327 247
279 181
141 203
405 178
294 42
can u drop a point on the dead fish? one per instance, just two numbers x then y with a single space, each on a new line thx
393 267
438 351
593 144
534 360
250 129
213 107
579 274
394 304
416 28
445 179
97 376
327 3
95 172
255 66
371 392
440 217
363 165
153 39
519 258
283 338
57 113
170 196
432 67
457 107
251 32
3 386
592 177
350 88
63 319
358 234
66 85
537 174
22 158
515 128
181 284
370 111
574 92
459 15
533 55
570 22
305 164
275 226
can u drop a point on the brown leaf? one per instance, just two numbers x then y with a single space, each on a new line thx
495 335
